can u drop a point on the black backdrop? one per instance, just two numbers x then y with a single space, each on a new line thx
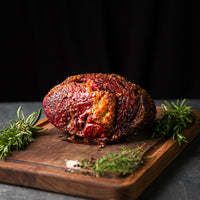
152 43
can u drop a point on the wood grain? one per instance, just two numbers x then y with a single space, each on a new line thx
42 164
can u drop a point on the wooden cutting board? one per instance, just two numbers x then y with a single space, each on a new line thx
42 164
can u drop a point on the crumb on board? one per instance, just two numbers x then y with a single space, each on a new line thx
72 164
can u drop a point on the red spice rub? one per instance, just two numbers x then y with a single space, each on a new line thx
99 107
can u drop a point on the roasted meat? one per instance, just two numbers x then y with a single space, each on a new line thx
99 107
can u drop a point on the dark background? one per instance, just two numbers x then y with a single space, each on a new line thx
153 43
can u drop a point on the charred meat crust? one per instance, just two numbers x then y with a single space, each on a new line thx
99 107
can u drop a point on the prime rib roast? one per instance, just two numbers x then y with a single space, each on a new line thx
99 107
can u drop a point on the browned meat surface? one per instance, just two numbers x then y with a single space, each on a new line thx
99 107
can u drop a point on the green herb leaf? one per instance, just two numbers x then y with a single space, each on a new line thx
122 163
177 116
20 133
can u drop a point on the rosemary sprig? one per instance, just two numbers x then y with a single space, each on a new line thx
177 116
122 163
20 132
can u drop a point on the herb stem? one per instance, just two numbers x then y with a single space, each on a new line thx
177 116
122 163
20 133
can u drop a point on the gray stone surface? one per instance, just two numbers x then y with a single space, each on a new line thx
180 180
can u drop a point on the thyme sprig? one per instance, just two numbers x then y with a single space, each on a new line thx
177 116
122 163
20 132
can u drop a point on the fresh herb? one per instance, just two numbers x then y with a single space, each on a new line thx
123 163
20 132
177 116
